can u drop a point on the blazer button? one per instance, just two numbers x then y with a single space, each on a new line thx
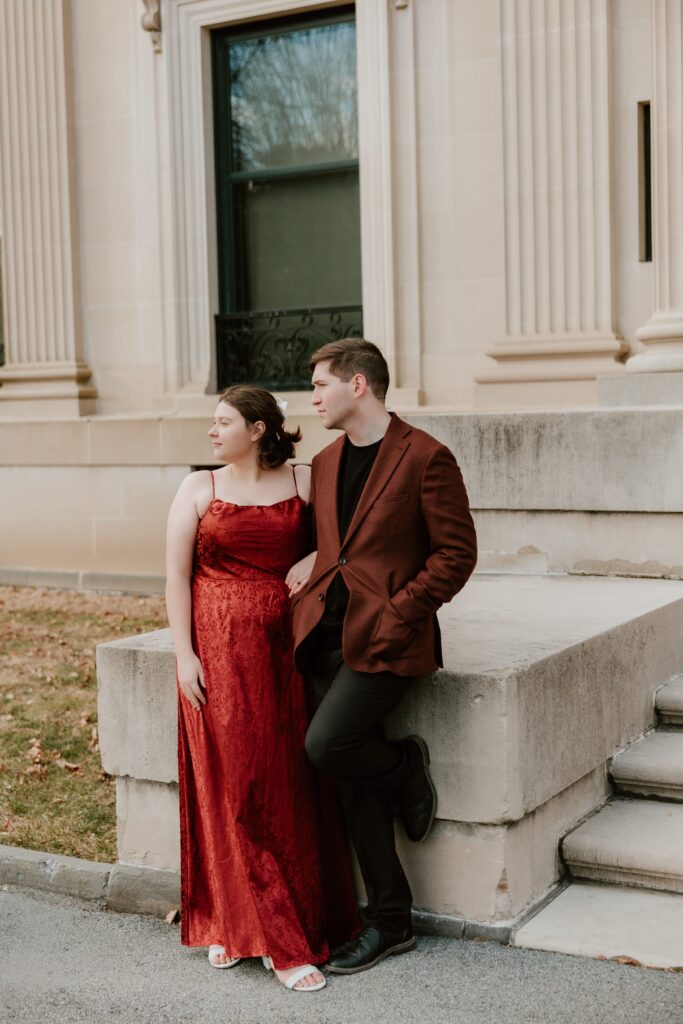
321 597
342 560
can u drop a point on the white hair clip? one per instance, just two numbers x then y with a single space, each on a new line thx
282 406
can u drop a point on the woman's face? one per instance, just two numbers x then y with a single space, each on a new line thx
231 436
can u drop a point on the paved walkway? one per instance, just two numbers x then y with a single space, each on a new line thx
64 962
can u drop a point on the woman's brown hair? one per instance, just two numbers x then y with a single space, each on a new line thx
255 403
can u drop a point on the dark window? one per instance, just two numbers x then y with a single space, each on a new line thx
286 143
645 183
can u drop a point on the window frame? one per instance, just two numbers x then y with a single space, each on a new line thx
229 233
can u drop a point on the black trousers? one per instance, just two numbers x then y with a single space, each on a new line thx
346 740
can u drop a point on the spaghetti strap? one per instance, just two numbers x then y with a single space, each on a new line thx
213 486
295 486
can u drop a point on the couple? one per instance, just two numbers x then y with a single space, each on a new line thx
302 604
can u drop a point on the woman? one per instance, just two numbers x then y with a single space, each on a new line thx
264 866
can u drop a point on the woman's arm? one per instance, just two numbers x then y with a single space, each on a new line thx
183 520
300 573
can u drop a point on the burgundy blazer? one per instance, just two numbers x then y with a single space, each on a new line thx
410 547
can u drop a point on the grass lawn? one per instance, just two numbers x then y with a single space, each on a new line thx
54 795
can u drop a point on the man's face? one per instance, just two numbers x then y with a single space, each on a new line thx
332 398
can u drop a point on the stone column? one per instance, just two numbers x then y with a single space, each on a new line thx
45 371
663 333
558 218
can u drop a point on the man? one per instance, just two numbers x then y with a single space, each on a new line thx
395 540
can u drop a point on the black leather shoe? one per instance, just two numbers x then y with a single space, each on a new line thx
368 949
417 802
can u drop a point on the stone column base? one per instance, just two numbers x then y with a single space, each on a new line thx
62 389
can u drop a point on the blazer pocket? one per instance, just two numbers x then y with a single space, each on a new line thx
390 501
392 634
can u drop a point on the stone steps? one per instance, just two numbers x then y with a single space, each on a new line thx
609 922
652 766
627 859
669 702
630 842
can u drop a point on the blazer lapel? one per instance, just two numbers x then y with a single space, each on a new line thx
327 490
391 451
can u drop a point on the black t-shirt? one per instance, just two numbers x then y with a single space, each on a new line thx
354 470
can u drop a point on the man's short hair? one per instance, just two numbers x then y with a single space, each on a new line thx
349 356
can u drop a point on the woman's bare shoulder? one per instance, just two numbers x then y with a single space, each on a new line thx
302 472
196 487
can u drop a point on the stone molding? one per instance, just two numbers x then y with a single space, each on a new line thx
187 27
662 335
44 342
558 204
151 22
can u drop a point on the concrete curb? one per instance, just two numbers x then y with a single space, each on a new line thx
133 889
128 888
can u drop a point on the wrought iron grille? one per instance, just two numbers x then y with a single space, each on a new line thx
274 348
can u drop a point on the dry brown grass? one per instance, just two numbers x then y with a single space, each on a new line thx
54 795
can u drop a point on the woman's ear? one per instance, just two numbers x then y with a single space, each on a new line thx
258 429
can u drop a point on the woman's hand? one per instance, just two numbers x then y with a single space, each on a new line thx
190 675
300 573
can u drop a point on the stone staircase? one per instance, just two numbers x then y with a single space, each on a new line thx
626 861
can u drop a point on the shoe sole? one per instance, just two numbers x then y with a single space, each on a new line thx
403 947
425 759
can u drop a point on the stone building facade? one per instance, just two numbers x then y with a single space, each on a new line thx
199 191
519 242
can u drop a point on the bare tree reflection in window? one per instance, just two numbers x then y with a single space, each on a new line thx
294 98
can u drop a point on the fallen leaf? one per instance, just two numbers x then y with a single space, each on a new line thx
36 769
36 751
62 763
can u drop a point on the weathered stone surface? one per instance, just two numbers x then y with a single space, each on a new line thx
544 678
631 842
492 873
652 766
609 921
142 890
592 543
137 709
537 460
138 803
85 879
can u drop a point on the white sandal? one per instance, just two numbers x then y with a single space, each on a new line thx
216 951
297 976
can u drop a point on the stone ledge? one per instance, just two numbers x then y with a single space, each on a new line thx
537 460
68 579
498 750
633 466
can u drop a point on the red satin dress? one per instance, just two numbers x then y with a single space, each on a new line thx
264 857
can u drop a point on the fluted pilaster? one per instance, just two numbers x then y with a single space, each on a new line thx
663 333
558 219
43 340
